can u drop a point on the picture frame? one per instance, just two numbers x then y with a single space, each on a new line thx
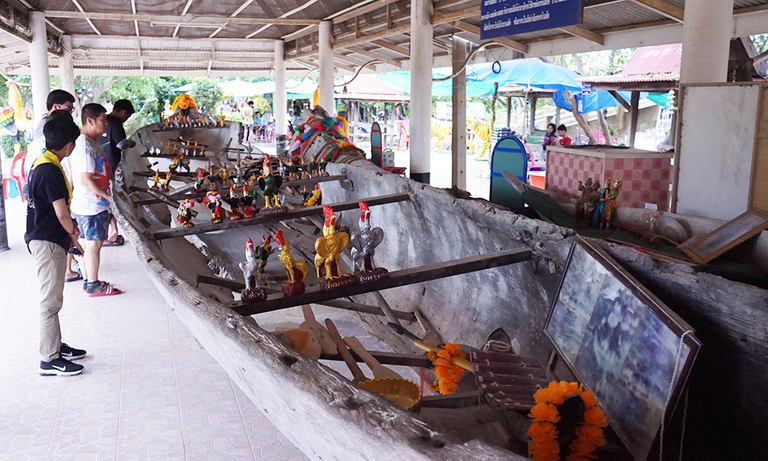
622 343
707 247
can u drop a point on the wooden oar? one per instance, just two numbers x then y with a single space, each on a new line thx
318 331
430 336
357 373
463 363
379 370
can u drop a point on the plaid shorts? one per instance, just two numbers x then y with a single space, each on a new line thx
93 228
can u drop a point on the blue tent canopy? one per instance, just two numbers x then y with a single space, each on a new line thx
597 100
525 72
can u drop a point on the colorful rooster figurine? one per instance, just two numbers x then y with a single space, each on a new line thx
270 183
200 182
213 201
364 242
156 180
234 203
316 198
166 184
247 201
329 248
252 292
185 213
297 270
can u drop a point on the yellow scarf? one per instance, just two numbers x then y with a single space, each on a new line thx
50 157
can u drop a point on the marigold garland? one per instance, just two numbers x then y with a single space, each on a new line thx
543 433
447 373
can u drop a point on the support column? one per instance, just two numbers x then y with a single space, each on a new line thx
534 99
421 89
280 99
459 116
67 70
38 63
325 48
509 112
706 41
634 114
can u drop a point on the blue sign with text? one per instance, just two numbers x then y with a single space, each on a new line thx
500 18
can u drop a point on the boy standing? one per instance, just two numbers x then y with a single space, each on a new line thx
50 233
92 195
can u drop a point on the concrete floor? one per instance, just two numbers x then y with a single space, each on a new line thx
148 390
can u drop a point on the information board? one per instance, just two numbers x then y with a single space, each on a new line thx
500 18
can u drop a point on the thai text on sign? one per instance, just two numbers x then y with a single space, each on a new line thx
500 18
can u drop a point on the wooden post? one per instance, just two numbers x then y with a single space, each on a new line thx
534 99
509 111
634 112
459 117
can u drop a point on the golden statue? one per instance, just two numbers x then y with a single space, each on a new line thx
330 246
297 270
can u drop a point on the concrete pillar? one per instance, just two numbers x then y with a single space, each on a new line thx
325 48
280 98
706 41
38 63
67 70
421 89
459 116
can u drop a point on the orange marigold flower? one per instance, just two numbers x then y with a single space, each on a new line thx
589 399
455 350
544 412
595 417
445 355
541 430
591 434
583 447
544 447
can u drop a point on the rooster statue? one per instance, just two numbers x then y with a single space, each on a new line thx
234 203
213 201
14 120
185 213
364 242
329 248
270 183
263 252
253 292
297 270
247 201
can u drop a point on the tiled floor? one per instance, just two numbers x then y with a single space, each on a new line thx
148 390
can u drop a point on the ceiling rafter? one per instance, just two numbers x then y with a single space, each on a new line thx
392 47
182 20
237 11
183 13
282 16
373 55
664 8
475 30
583 32
77 4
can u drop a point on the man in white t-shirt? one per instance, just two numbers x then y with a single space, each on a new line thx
92 196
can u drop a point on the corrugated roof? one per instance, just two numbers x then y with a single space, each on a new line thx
658 59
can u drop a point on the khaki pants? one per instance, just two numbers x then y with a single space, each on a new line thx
51 262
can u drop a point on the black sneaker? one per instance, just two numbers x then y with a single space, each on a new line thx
70 353
59 367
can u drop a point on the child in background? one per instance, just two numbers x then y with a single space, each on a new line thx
562 132
550 139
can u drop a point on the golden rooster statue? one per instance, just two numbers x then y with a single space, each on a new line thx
297 270
329 248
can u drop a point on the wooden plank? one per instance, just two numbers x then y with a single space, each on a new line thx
388 358
233 285
295 184
316 295
513 371
457 400
621 100
664 8
583 32
365 308
475 30
291 214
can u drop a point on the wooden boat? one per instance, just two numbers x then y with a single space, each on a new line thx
327 416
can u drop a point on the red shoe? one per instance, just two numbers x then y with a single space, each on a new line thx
102 289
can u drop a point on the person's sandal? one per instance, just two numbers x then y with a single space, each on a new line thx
119 241
102 289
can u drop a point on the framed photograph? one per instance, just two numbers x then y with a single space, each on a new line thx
622 343
729 235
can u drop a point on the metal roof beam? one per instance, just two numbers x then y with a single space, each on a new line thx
181 20
373 55
664 8
392 47
583 32
475 30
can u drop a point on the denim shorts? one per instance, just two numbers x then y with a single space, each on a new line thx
93 228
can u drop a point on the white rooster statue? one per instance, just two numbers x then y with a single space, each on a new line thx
253 292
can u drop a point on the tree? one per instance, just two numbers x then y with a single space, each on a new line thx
207 94
571 100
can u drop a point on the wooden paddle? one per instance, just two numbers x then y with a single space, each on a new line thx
463 363
430 336
318 330
357 373
379 370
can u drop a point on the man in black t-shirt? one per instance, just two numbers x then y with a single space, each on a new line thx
50 233
113 141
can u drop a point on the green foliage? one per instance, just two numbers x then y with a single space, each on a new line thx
207 95
7 145
233 116
595 63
